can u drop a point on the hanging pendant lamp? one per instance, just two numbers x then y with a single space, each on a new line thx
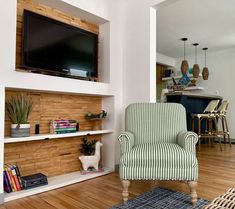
184 65
205 71
196 69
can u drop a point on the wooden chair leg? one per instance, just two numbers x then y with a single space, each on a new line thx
125 192
227 131
217 133
223 129
193 193
199 134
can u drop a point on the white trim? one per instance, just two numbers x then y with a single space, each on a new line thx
54 136
54 183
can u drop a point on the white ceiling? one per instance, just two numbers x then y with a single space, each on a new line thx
211 23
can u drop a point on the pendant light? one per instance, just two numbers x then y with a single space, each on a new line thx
205 71
184 65
196 69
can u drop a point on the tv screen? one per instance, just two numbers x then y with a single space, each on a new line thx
57 47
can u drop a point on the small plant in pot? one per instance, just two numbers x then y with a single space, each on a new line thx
19 108
91 154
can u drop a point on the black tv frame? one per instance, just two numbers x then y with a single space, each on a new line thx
59 72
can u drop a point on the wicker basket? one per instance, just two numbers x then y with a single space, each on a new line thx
224 201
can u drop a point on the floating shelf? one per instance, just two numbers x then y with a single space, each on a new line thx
192 88
178 77
54 136
54 183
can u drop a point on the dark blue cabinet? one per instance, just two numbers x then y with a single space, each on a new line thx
193 103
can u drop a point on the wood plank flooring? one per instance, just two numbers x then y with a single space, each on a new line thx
216 175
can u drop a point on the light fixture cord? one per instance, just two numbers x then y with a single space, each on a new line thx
205 58
195 54
184 50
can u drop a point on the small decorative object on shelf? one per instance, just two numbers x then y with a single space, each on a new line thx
62 126
96 118
12 178
178 87
91 156
34 180
19 108
99 116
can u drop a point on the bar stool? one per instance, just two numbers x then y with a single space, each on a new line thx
209 116
221 116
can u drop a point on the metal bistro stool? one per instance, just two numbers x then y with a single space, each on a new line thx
209 116
221 116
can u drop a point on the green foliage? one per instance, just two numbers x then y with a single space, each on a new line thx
91 115
19 107
88 148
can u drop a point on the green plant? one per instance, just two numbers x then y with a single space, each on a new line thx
91 115
88 147
19 107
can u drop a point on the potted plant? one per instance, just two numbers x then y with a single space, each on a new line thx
88 148
94 116
18 108
91 154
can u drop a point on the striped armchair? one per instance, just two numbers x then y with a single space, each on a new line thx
157 146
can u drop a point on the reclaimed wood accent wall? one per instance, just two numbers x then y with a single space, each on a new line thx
51 13
57 156
50 157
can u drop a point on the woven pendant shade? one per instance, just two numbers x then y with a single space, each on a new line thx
196 69
184 65
205 71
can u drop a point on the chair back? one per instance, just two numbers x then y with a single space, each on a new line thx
211 107
223 107
155 122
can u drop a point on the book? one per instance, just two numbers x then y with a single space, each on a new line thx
67 126
18 176
11 178
7 185
65 129
64 132
17 184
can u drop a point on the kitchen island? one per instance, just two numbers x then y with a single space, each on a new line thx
193 103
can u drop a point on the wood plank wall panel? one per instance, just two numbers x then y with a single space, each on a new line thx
50 157
50 106
51 13
57 156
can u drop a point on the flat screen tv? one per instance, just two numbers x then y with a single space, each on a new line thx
57 48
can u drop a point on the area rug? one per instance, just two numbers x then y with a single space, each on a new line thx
162 198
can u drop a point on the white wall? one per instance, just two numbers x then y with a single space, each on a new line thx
10 78
139 63
166 60
221 79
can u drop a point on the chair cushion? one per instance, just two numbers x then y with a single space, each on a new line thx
160 155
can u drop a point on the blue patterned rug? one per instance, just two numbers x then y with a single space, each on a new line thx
162 199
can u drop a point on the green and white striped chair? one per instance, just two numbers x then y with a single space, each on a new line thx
157 146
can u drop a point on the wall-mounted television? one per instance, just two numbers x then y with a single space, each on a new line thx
56 48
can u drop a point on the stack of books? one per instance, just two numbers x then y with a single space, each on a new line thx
12 178
62 126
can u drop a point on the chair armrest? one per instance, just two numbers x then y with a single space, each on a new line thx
187 140
126 140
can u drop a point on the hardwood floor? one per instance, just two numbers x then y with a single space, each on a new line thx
216 175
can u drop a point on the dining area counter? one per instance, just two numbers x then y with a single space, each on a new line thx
194 103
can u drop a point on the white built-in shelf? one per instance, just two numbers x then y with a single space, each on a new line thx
178 77
54 136
55 183
192 88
